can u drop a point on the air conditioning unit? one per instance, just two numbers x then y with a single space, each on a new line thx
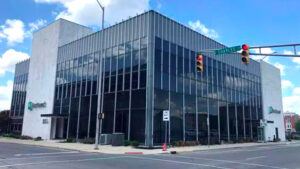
106 139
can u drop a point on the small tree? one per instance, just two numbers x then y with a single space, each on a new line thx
4 122
297 125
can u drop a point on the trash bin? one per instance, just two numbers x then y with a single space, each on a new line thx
117 139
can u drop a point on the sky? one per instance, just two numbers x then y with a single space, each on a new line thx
230 22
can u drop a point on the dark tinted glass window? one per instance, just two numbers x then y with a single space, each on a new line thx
135 80
143 79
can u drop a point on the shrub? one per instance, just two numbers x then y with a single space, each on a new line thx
70 140
126 143
297 125
4 122
11 135
296 137
38 139
25 137
87 141
185 143
134 143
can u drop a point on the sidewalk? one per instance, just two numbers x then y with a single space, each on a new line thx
108 149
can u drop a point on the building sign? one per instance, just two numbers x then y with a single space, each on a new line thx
31 105
272 110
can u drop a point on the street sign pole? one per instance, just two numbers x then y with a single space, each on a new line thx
166 132
166 119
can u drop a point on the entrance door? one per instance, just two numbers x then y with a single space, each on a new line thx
260 133
276 131
60 128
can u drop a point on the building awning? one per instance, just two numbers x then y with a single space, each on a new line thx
55 115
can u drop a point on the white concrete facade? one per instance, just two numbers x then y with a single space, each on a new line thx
42 74
272 97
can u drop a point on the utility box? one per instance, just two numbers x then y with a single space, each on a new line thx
117 139
106 139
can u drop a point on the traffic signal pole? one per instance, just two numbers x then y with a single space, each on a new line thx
260 53
100 80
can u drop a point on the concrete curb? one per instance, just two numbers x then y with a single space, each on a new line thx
130 150
133 153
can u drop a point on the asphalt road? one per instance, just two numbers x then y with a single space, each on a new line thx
15 156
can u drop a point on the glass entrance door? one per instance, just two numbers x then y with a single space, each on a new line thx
260 133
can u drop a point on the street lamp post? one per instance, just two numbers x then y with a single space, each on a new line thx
99 120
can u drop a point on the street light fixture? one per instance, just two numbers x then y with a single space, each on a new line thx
99 120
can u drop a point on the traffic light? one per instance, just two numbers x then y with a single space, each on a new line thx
199 63
245 54
101 116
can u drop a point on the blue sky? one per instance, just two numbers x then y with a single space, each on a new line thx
231 22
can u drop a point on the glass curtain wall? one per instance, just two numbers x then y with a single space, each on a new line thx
124 74
225 106
18 102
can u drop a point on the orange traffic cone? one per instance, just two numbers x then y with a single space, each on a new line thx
164 147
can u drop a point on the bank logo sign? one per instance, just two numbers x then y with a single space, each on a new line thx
31 105
272 110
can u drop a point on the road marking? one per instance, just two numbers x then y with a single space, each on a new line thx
252 158
53 156
228 161
62 161
217 152
240 149
37 154
179 162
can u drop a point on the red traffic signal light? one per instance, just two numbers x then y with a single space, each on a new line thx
199 63
199 57
245 54
245 47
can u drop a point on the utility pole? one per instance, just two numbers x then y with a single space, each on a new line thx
99 120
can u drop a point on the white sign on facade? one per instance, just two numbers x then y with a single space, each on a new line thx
166 115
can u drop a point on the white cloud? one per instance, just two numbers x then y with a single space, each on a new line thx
9 59
291 103
294 59
281 67
33 26
287 52
198 26
12 31
264 51
5 95
286 84
296 91
158 6
87 12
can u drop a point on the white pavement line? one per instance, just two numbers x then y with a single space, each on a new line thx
53 156
37 154
252 158
217 152
228 161
240 149
179 162
61 161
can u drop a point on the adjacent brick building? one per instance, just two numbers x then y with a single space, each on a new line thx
290 120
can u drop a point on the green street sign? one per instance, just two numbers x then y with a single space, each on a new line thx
228 50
